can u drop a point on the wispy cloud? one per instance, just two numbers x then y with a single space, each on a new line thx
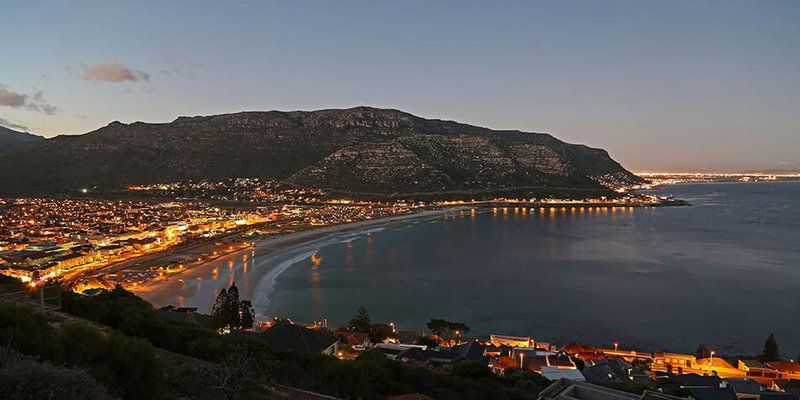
34 101
179 64
12 125
113 71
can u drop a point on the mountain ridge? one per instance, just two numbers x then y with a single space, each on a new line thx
361 149
10 139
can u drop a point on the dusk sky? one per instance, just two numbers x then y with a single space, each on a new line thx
695 85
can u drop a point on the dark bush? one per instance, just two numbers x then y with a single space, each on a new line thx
82 343
130 367
27 329
23 378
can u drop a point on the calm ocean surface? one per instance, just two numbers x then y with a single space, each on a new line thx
725 271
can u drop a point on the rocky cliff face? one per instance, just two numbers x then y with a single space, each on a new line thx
361 149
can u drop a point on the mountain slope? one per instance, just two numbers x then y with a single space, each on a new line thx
10 139
361 149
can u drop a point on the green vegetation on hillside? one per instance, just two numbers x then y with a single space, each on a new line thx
26 378
370 376
130 363
126 365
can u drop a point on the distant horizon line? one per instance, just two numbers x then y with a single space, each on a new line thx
789 172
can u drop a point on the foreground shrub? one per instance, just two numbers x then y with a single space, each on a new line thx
131 368
27 330
127 366
23 378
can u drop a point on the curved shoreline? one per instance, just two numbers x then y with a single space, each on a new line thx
261 281
276 253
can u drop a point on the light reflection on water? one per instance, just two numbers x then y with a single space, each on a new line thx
722 272
652 277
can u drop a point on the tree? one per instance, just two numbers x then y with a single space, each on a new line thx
471 370
460 328
445 329
237 377
427 341
379 332
360 322
233 306
229 311
221 309
438 326
702 351
770 349
246 315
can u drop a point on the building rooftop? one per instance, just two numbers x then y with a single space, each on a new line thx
779 396
750 363
717 362
784 366
745 386
565 389
283 337
555 373
695 380
712 393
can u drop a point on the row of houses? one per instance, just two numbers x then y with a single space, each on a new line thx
766 373
710 378
747 378
36 264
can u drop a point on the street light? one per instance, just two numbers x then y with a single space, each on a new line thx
616 346
521 357
711 359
